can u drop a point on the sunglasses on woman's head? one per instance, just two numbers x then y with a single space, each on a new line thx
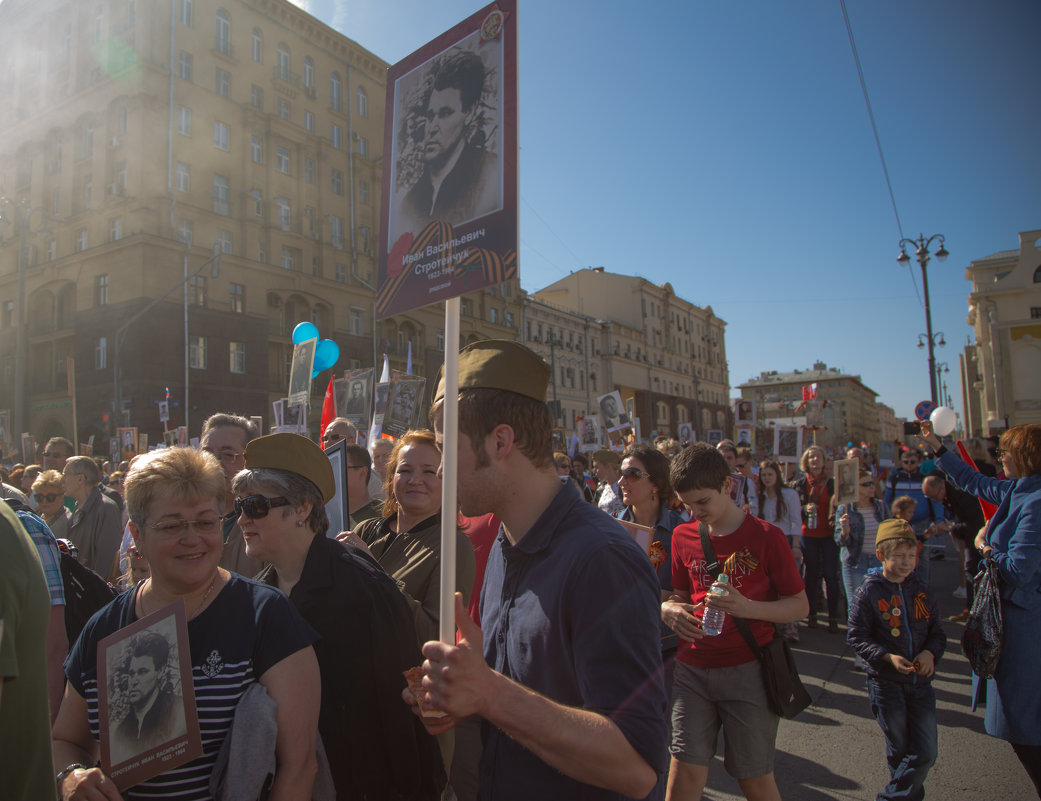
635 472
257 506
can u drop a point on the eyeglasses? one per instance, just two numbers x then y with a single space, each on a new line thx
225 457
202 526
866 483
999 452
50 497
635 472
257 506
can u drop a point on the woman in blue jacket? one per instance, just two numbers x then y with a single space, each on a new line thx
1013 541
856 525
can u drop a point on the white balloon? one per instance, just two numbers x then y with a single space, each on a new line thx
944 420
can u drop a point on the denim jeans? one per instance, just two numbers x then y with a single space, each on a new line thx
821 558
907 715
853 577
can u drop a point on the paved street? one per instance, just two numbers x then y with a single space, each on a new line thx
834 750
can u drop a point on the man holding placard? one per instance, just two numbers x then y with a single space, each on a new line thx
567 671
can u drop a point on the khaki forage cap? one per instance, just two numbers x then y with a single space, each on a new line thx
500 364
894 529
294 454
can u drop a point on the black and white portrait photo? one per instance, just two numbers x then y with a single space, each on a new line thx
353 396
300 374
447 139
612 412
403 405
847 472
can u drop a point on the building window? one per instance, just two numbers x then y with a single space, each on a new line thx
101 290
309 121
282 108
257 49
493 315
337 182
197 352
256 150
282 62
365 242
256 97
52 250
184 232
336 136
316 267
184 121
197 290
335 97
283 213
363 146
309 171
116 230
223 86
237 357
56 205
8 319
282 160
363 192
363 103
81 240
356 323
1037 275
220 194
237 295
224 241
341 272
101 354
308 72
258 202
337 232
184 65
223 33
1035 312
220 135
88 191
186 12
287 259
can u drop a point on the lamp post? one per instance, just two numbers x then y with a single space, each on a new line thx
941 383
117 395
20 356
921 246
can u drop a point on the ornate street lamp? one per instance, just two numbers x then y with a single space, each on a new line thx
921 246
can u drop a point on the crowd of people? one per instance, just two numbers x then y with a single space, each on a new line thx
582 667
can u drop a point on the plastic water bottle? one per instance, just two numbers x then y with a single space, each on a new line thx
712 620
811 515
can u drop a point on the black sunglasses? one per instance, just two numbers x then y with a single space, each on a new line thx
257 506
49 497
635 472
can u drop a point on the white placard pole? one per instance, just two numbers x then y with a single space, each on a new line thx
449 451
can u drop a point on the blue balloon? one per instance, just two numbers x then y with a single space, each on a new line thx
304 332
326 354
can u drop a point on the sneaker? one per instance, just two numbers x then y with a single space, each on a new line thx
959 593
961 617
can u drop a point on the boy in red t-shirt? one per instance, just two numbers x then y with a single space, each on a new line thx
718 679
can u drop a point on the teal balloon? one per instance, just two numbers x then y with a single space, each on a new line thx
314 374
326 354
304 332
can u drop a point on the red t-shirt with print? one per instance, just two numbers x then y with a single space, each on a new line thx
758 560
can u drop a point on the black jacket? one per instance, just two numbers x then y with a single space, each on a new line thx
377 748
872 635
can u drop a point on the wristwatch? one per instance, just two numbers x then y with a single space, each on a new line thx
66 771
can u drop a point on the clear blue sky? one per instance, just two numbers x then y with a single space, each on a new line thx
726 147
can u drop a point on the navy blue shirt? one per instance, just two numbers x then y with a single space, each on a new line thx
572 612
661 560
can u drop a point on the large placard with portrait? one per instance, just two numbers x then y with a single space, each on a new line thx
449 209
147 719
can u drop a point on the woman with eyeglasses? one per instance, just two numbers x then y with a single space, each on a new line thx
49 494
377 748
779 505
1012 541
646 492
856 525
240 632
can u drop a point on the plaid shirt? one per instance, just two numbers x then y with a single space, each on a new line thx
49 556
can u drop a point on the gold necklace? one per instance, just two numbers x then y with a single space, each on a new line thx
201 604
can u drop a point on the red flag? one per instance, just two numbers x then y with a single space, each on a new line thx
328 409
806 394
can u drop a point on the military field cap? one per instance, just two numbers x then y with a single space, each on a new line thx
894 529
294 454
500 364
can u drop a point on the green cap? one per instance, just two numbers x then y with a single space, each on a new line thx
294 454
500 364
894 529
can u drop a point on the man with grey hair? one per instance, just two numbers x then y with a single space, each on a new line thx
96 528
226 436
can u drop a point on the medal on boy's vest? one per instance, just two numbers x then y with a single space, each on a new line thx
892 614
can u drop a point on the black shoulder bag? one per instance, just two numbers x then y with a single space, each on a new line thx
784 691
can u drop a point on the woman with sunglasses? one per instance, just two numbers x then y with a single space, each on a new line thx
377 748
856 525
779 505
49 495
646 492
240 632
